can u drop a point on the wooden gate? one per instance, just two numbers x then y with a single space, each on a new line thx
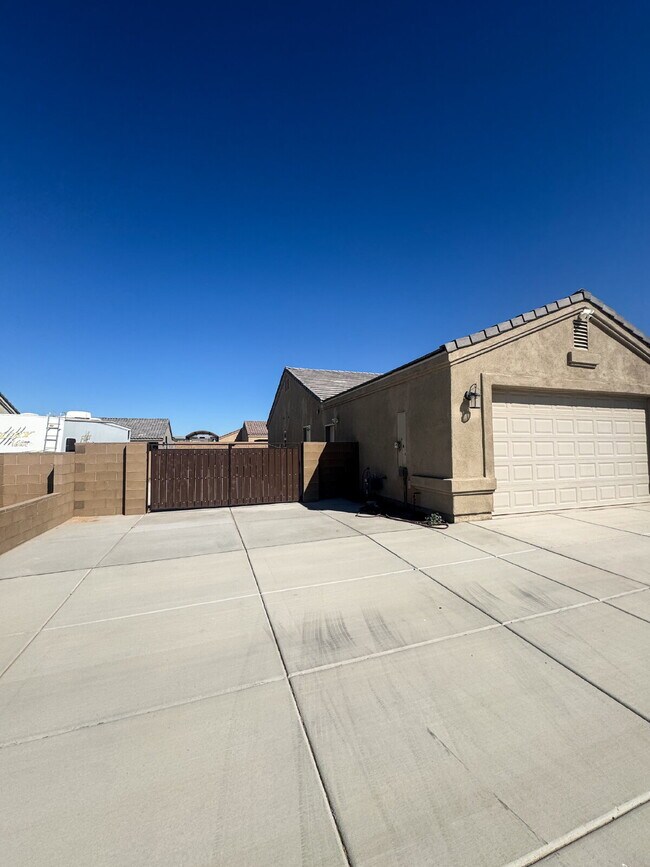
227 475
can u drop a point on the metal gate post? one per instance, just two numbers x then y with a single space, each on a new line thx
230 474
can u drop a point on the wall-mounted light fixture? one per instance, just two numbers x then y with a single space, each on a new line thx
473 397
334 420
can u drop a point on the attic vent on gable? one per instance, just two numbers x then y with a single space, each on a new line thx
581 334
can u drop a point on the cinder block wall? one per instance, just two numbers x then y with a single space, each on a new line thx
135 480
110 479
27 509
311 455
329 470
99 479
25 476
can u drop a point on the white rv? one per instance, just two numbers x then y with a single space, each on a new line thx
28 432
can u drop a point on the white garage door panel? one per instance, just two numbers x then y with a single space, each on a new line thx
555 451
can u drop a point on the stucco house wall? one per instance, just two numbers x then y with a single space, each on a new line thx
534 357
368 415
294 407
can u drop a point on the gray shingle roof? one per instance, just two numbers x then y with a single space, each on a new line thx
256 428
143 428
538 313
329 383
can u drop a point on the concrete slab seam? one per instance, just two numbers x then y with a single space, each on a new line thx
137 713
580 832
551 611
340 581
96 566
56 610
625 611
473 559
153 611
593 524
496 625
393 650
566 557
456 562
568 586
42 627
215 601
310 749
531 643
583 677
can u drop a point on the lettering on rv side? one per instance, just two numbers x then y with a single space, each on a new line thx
16 436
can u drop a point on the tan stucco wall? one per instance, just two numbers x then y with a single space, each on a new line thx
230 437
368 415
294 408
532 357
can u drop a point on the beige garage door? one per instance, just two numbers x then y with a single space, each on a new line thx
555 451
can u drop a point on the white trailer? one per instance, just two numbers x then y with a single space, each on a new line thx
28 432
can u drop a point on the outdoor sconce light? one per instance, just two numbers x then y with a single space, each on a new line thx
473 397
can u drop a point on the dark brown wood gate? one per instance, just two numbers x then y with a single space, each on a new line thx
228 475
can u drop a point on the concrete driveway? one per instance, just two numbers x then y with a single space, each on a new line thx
282 685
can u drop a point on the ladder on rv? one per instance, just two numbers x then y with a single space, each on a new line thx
52 433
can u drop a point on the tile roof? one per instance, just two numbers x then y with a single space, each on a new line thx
256 428
509 324
143 428
329 383
538 313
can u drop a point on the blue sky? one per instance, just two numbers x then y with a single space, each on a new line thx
194 195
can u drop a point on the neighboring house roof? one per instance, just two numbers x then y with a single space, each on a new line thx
329 383
515 322
231 433
8 405
147 429
256 428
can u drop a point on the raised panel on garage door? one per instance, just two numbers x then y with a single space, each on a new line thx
557 451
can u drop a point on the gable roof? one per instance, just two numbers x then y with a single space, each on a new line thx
143 428
256 428
539 313
329 383
515 322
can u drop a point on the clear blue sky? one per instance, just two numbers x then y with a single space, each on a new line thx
194 195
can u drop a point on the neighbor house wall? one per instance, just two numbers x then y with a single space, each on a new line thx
294 408
534 357
230 437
